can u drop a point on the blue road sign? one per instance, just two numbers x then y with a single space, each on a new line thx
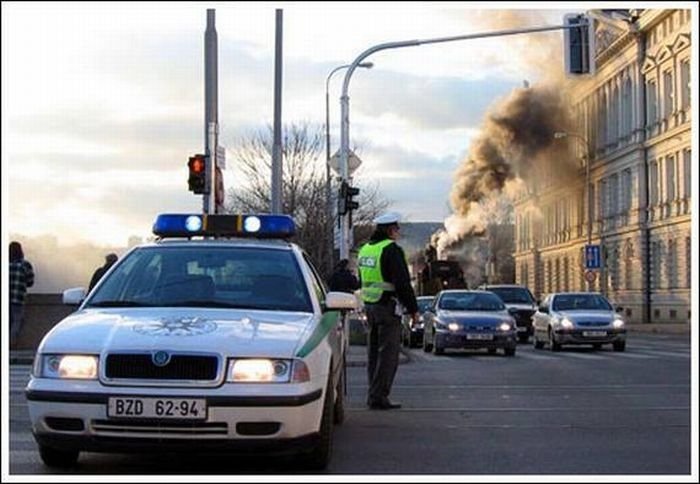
592 256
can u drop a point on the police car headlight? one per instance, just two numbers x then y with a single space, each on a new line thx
618 322
81 367
260 370
505 326
454 327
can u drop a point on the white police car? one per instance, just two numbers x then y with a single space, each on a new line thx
228 342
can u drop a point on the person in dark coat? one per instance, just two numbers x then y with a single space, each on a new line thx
343 279
110 259
21 278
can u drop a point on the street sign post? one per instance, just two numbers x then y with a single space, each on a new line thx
592 256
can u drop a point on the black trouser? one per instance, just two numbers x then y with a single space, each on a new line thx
383 346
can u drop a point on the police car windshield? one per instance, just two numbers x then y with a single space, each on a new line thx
202 276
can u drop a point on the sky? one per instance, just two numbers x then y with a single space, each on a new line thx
103 103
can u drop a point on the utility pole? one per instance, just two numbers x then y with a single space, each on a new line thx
211 115
276 185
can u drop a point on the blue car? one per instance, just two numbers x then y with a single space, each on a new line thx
469 320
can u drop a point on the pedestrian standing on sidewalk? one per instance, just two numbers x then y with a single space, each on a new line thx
21 277
387 294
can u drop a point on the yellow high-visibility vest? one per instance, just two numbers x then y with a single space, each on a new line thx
369 264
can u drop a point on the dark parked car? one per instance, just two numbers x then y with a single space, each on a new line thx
578 318
520 303
469 319
413 333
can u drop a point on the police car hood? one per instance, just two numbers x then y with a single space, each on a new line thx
227 332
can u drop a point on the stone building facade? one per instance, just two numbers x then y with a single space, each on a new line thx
634 127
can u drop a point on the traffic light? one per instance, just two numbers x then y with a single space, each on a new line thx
579 45
345 198
351 204
197 180
342 198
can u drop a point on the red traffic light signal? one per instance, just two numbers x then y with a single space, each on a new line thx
197 180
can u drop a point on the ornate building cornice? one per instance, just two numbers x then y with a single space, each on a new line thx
609 44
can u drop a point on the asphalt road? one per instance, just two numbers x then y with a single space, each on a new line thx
574 412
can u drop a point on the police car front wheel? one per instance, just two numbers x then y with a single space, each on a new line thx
320 455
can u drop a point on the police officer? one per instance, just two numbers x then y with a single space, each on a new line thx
387 294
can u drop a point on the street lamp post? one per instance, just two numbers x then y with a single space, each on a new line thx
329 206
345 100
587 160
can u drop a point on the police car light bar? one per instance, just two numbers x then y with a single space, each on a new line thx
190 225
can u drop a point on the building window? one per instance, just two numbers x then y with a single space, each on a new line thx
627 107
613 122
653 184
651 102
614 268
668 93
602 119
670 179
688 256
671 265
613 211
629 265
626 198
686 174
685 84
656 265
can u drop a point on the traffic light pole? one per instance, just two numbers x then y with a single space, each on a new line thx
211 123
345 100
209 197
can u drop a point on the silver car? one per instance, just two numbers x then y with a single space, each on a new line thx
575 318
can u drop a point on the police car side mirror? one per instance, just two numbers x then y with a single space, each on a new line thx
74 296
341 300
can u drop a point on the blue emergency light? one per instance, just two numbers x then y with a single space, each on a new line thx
190 225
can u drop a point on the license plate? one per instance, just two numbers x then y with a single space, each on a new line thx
479 336
165 408
595 334
522 329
